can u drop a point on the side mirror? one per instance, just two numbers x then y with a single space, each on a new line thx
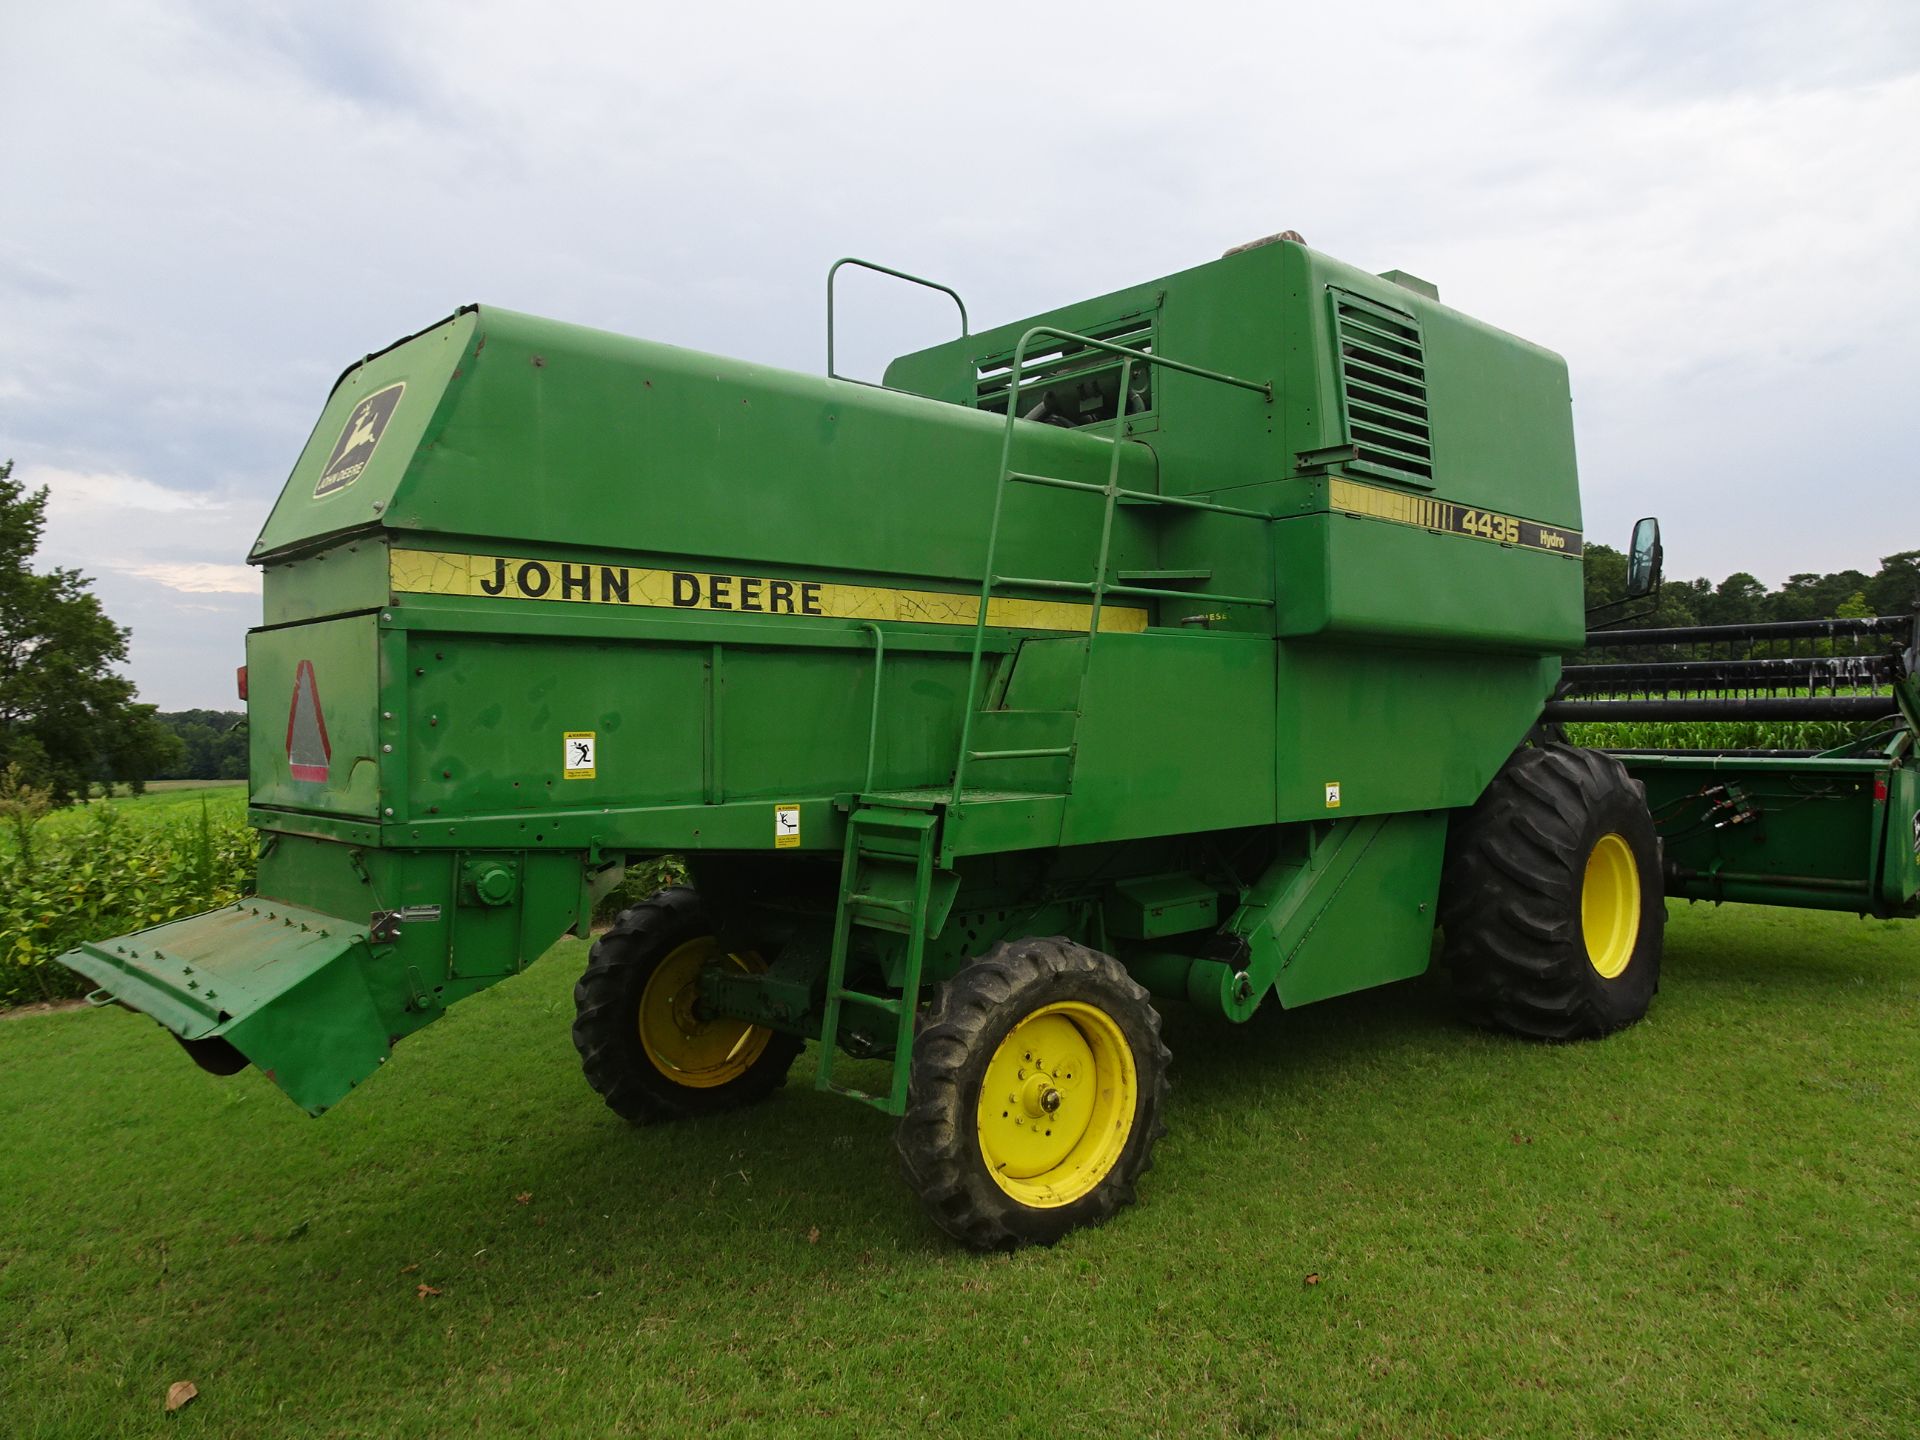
1643 559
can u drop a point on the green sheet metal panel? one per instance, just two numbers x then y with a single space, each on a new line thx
1811 832
1371 579
335 580
1397 729
1177 737
363 446
491 716
1900 869
556 434
1374 922
312 698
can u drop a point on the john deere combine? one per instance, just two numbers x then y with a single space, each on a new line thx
1198 642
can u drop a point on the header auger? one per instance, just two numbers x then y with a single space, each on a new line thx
1197 643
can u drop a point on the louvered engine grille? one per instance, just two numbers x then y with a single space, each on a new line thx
1383 386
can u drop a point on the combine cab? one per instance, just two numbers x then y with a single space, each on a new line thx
1189 644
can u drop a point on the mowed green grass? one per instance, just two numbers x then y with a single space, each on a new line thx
1706 1226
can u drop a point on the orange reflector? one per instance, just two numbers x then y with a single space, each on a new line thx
240 680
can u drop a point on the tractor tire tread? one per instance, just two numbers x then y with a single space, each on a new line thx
1510 897
605 1031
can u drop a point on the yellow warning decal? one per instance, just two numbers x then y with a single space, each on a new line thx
577 759
1443 515
786 827
434 572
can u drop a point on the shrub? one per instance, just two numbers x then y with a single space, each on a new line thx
101 878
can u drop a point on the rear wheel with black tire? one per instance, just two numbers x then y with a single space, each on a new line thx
646 1043
1036 1094
1552 899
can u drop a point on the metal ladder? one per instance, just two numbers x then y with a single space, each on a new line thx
1102 584
886 882
893 847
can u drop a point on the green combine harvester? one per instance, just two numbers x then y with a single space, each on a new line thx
1202 642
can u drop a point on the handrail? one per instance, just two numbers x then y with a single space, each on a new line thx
1110 493
873 723
1259 387
834 270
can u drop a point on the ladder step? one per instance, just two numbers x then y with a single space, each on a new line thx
1075 587
1164 594
1049 752
853 1093
1180 502
1054 482
1134 577
880 902
878 1002
906 821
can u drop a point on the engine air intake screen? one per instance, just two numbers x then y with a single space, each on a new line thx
1066 383
1383 388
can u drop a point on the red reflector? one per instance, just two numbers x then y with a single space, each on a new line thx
240 679
1879 788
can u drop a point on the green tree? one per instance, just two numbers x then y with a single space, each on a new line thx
66 719
1605 570
1815 597
1895 590
214 741
1740 599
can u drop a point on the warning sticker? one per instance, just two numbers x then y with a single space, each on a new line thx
786 827
577 762
1916 832
309 755
358 436
1333 794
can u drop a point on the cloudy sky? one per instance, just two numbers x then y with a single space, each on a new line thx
1712 210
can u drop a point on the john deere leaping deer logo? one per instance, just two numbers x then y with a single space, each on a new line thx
366 422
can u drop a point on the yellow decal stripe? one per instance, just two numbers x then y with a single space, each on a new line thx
435 572
1399 508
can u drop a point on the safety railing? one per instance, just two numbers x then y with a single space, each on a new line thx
834 270
1101 585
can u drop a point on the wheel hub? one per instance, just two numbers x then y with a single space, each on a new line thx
1610 905
1056 1104
683 1044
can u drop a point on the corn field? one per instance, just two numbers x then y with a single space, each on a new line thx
104 869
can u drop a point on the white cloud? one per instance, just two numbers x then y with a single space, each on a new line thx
200 577
74 497
161 561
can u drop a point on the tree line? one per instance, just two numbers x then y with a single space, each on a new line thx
213 744
1740 599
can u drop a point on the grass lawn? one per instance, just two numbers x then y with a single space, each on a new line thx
1707 1226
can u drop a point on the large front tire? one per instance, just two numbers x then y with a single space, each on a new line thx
644 1044
1552 900
1036 1094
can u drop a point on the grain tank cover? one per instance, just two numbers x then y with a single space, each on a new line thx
377 417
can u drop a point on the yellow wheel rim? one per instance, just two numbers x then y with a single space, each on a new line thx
1056 1106
682 1046
1610 905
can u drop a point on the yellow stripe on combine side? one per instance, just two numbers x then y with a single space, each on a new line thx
436 572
